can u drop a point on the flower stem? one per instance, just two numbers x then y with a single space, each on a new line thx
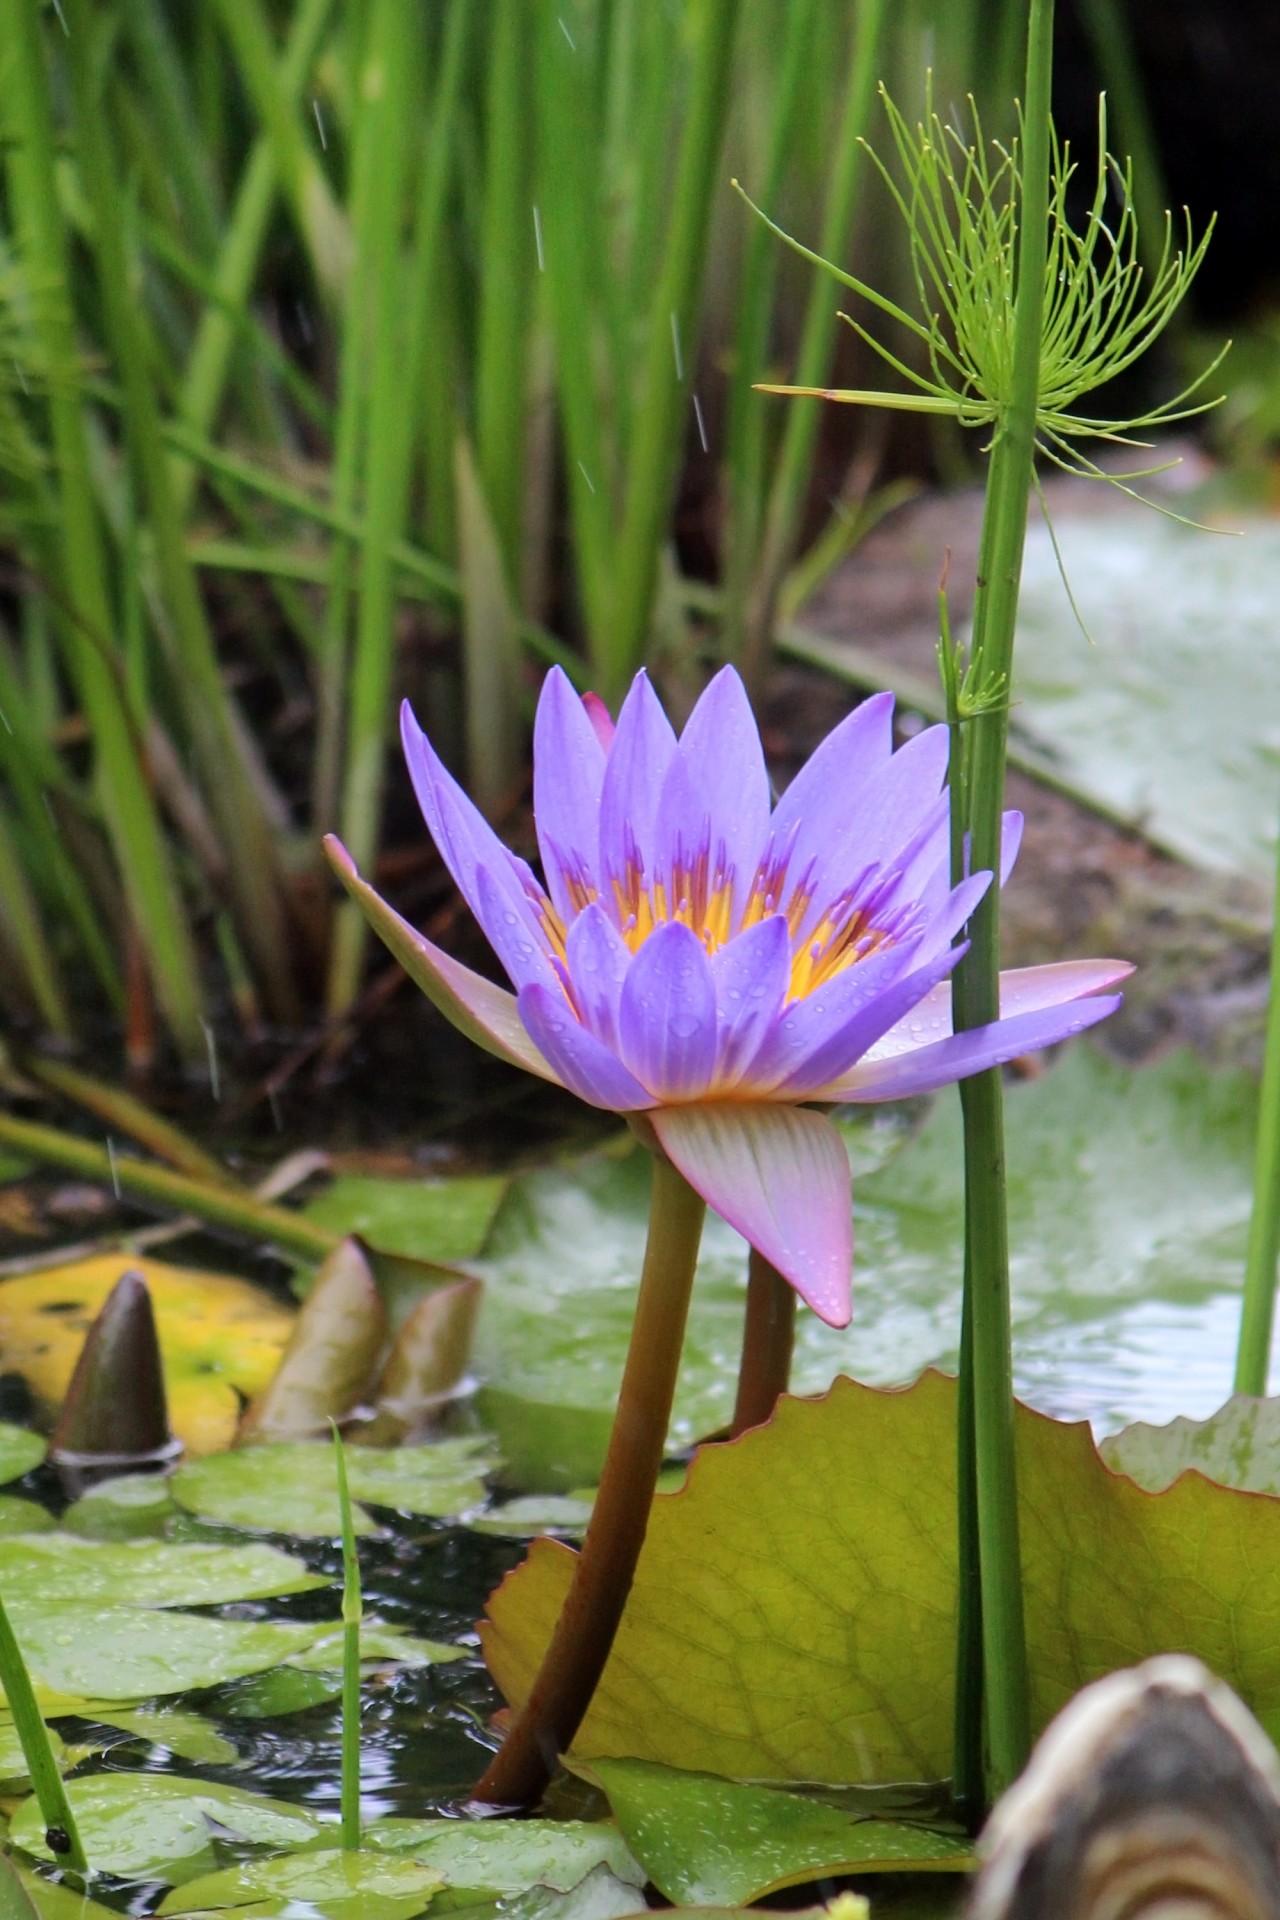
768 1338
977 990
545 1725
1258 1310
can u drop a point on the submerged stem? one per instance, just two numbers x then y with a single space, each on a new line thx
768 1339
545 1725
1258 1309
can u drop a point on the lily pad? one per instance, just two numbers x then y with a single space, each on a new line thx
187 1735
133 1506
13 1761
706 1841
284 1690
507 1856
438 1220
601 1896
1239 1446
1176 735
292 1488
132 1653
146 1826
342 1885
20 1449
51 1900
220 1338
535 1513
146 1573
23 1516
378 1642
793 1611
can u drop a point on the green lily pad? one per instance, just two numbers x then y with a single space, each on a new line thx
535 1513
377 1642
508 1856
187 1735
292 1488
706 1841
23 1516
131 1653
133 1506
147 1826
1129 1197
438 1220
601 1896
342 1885
1175 735
20 1451
1239 1446
13 1761
148 1573
283 1690
52 1900
793 1610
15 1901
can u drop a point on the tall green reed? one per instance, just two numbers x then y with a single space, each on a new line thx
377 336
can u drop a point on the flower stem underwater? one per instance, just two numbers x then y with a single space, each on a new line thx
546 1724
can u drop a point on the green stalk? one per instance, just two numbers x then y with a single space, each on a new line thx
218 1206
768 1341
352 1614
121 781
298 169
546 1723
662 405
253 868
507 256
37 1751
977 990
793 467
21 919
376 426
1253 1360
241 247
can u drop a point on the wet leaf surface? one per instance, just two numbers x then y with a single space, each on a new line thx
20 1449
507 1856
793 1613
19 1516
292 1489
707 1841
377 1642
1129 1195
220 1338
150 1573
102 1652
187 1735
133 1506
440 1220
1154 722
1239 1446
145 1826
343 1886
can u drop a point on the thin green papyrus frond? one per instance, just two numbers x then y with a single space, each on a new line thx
959 201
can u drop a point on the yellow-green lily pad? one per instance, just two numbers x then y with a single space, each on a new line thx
1239 1446
220 1337
23 1516
793 1614
20 1449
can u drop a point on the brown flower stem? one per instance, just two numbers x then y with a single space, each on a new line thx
768 1340
545 1725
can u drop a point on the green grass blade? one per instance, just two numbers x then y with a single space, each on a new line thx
55 1808
20 918
352 1614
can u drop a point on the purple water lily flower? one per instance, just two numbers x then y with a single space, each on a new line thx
723 966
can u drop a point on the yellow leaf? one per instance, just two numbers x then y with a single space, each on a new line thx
220 1338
